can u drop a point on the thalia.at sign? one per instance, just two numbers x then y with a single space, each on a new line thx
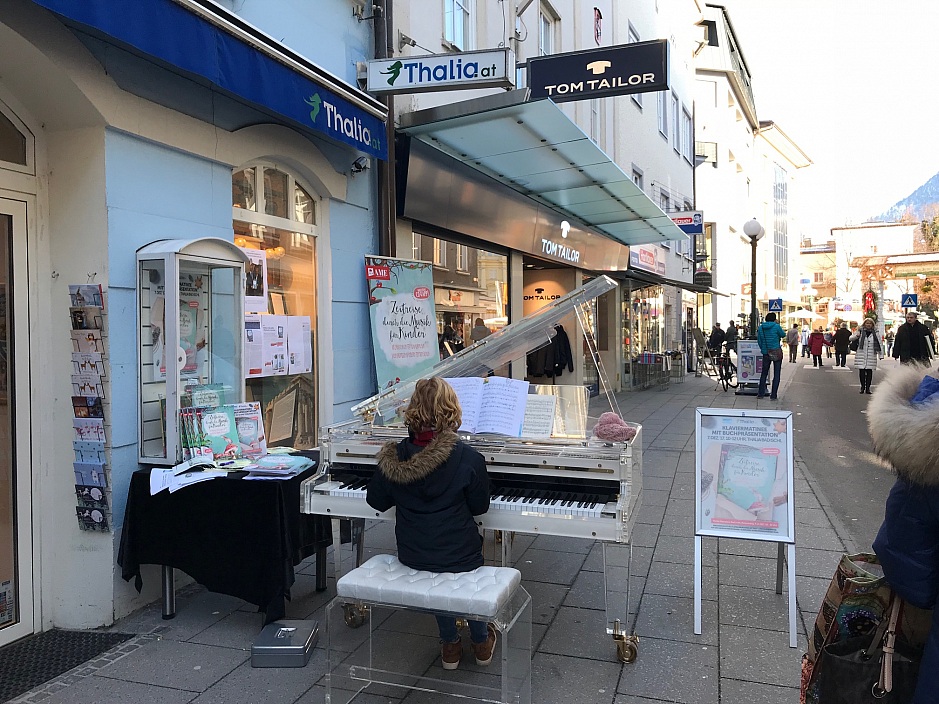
560 251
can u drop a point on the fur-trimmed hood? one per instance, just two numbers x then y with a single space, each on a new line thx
905 435
402 467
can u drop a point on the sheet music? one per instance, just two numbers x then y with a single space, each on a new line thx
539 416
469 389
502 409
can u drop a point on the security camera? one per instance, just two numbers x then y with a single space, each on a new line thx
359 165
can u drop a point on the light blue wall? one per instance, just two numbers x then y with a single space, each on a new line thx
152 192
323 31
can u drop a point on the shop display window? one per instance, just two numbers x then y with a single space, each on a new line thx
470 291
275 223
644 336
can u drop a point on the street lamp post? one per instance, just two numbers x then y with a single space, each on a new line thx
754 230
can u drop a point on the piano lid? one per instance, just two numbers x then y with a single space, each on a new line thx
509 344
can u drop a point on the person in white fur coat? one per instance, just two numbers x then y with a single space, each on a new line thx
869 350
907 544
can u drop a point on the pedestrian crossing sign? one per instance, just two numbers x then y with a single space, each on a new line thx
908 300
775 305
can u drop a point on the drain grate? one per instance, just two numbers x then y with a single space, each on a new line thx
30 662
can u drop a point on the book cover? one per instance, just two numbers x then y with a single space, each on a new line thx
87 385
81 295
87 363
87 341
491 405
92 497
89 429
746 476
219 432
249 425
93 519
89 451
86 317
87 407
90 474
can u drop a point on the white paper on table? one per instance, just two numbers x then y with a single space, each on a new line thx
160 480
274 334
178 481
254 345
299 345
539 416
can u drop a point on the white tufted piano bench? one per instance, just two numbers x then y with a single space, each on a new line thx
370 653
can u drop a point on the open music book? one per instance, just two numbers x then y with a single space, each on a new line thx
498 405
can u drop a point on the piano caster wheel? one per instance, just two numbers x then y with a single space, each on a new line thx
627 648
354 615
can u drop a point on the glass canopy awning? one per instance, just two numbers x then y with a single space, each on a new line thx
535 149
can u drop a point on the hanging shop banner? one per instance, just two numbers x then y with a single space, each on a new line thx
691 222
401 308
743 474
641 67
489 68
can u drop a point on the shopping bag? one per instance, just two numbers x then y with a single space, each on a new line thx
854 605
882 669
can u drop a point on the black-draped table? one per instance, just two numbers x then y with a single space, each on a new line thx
234 536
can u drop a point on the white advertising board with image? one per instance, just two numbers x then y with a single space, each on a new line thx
744 489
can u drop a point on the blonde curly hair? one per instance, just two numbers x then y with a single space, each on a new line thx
433 406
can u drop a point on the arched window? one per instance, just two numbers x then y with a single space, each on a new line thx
274 218
17 146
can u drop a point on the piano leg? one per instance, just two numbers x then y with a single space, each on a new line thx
337 545
507 539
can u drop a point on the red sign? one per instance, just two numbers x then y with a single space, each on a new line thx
422 293
382 273
868 301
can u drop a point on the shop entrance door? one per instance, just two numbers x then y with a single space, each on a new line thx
16 583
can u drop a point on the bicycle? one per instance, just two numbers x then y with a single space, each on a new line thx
726 371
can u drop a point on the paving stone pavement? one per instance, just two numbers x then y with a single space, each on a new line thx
742 654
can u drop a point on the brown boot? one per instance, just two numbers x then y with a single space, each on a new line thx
483 651
450 654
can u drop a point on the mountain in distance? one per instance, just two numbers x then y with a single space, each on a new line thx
924 200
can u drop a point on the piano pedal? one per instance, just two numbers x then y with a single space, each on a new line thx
462 624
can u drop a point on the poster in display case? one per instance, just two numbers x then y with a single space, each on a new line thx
190 301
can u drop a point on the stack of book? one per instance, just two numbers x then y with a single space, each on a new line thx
221 432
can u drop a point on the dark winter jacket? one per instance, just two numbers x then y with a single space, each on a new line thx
910 343
842 340
437 490
716 340
908 541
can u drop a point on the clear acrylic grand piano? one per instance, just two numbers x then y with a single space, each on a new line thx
568 484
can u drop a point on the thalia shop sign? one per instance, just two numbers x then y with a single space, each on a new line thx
491 68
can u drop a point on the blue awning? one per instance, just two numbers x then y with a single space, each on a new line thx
197 58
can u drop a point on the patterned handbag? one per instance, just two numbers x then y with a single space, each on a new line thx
856 602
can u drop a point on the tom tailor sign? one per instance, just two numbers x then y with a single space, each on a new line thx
618 70
493 68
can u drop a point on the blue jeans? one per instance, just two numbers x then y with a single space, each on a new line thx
777 368
479 630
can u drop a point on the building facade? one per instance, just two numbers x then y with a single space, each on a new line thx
186 120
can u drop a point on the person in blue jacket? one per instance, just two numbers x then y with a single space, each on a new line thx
769 335
903 424
438 483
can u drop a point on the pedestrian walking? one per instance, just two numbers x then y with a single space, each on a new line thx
869 350
816 344
912 341
902 420
716 339
829 338
438 484
888 338
842 342
769 336
793 337
805 340
731 337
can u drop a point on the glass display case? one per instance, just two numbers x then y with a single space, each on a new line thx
190 322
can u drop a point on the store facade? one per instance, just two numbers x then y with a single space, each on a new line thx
460 185
118 131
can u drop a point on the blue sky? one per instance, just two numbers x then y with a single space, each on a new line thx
856 85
